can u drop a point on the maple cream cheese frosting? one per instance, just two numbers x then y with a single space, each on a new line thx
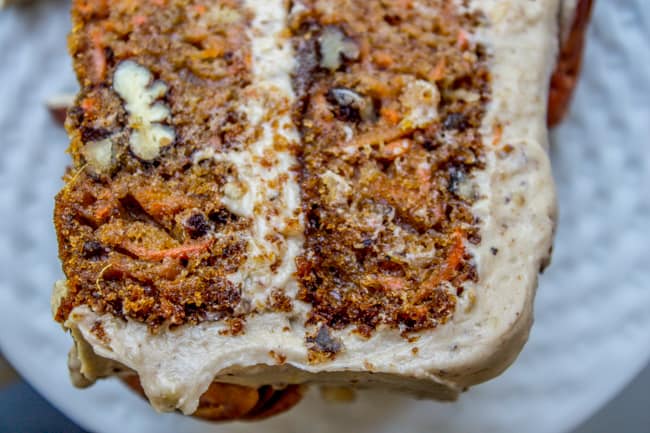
272 193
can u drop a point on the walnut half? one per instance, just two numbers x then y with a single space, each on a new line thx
134 84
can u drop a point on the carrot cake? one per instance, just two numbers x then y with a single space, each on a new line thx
266 194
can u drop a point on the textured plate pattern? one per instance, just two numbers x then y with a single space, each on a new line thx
592 332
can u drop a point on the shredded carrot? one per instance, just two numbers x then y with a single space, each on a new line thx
97 55
456 254
393 284
438 72
103 212
383 59
454 257
395 149
184 251
463 39
390 116
161 202
208 53
380 135
498 134
89 104
200 9
139 20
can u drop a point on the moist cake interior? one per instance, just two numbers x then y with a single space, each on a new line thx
211 183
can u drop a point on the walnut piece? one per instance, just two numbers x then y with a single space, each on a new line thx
99 154
334 47
420 99
134 85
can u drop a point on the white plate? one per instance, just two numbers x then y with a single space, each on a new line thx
593 309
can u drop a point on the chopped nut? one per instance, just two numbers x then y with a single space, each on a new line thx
420 99
133 83
234 190
99 154
338 189
334 46
464 95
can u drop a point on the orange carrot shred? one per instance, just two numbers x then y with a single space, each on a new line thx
383 59
184 251
438 72
463 39
454 258
391 116
89 105
139 20
103 212
98 56
498 135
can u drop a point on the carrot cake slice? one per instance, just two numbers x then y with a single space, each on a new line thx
266 194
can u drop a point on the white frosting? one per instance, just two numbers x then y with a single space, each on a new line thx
517 212
265 187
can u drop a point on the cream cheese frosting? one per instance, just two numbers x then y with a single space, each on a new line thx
516 210
264 187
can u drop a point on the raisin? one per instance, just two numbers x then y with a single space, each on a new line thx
455 121
392 20
93 250
222 217
197 226
94 134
